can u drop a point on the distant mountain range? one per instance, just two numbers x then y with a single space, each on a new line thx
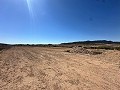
69 43
92 42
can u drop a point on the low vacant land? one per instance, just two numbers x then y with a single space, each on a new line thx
38 68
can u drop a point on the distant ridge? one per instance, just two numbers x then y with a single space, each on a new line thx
92 42
77 42
3 44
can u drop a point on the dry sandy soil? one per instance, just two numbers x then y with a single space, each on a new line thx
36 68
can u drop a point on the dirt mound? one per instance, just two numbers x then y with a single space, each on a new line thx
82 50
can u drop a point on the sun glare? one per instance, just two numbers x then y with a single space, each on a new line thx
29 5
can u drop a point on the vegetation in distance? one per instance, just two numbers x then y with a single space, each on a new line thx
98 44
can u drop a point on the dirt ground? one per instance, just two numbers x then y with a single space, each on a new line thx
37 68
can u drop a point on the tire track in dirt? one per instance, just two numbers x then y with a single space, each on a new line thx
36 68
74 65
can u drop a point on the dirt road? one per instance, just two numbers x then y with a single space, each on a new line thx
36 68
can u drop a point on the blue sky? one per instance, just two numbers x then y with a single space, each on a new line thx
56 21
